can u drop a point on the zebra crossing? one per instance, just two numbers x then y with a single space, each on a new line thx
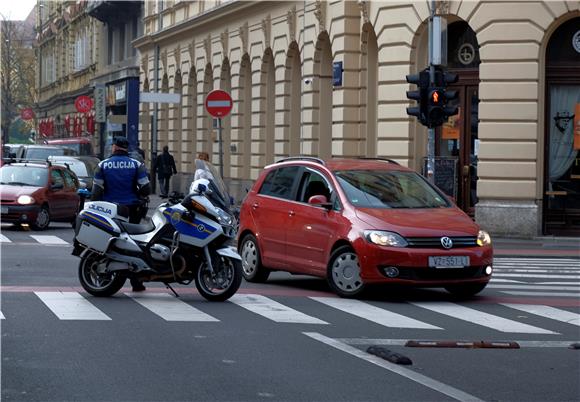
540 277
74 306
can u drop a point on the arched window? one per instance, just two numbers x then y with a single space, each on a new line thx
268 109
293 91
369 88
323 93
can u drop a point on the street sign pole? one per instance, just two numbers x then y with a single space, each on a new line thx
221 146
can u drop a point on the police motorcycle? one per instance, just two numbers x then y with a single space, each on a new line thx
187 239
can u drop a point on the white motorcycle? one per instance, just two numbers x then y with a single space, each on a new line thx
186 240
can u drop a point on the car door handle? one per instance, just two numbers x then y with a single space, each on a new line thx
255 205
291 213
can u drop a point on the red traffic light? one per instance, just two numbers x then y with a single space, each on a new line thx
435 97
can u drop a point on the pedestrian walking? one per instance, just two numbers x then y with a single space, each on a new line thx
165 168
124 181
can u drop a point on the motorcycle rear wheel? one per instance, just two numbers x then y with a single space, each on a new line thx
97 283
224 284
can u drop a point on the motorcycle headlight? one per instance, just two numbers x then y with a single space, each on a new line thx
483 238
383 238
223 217
25 200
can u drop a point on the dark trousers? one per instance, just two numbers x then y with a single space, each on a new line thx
164 184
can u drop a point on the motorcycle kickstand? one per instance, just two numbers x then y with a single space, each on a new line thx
168 286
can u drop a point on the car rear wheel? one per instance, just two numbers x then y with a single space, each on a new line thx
252 267
466 290
42 219
343 272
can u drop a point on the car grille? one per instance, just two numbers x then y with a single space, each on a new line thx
435 242
437 274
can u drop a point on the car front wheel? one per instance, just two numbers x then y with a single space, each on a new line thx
343 272
252 268
42 219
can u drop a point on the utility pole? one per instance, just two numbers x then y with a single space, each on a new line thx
431 130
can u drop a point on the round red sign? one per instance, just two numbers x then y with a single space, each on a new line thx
218 103
27 114
83 104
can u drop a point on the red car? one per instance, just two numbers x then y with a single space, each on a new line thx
37 193
358 222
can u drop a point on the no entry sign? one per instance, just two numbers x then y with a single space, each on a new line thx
83 104
218 103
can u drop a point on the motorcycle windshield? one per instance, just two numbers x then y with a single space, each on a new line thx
219 192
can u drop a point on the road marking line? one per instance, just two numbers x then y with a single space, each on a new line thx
548 312
375 314
536 260
537 287
407 373
45 239
536 276
71 306
480 318
2 316
536 271
402 342
4 239
548 294
272 310
169 308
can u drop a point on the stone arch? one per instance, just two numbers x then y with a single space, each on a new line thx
206 122
226 85
369 90
268 105
322 86
292 91
245 112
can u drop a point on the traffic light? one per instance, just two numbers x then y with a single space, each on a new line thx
420 79
436 107
448 78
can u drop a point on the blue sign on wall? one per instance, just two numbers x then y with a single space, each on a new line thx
337 73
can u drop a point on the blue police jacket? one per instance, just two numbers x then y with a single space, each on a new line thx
120 176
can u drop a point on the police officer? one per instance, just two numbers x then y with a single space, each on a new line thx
124 181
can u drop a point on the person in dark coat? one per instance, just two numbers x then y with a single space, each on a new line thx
165 168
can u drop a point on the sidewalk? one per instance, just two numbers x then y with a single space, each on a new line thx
543 247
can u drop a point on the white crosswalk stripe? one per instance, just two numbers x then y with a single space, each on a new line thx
2 316
548 312
273 310
169 308
374 314
44 239
71 306
481 318
4 239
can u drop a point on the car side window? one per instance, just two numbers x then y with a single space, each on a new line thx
69 179
56 178
280 182
314 184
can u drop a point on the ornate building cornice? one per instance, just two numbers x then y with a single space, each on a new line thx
292 24
244 33
267 30
320 14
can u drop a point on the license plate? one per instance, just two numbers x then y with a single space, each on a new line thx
449 261
4 210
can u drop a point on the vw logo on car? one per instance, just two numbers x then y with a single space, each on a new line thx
446 242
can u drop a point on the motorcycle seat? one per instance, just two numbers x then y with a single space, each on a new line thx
137 228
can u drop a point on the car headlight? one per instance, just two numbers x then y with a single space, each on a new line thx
25 200
483 238
383 238
223 217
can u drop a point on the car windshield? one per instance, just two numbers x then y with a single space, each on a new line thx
23 176
389 189
43 153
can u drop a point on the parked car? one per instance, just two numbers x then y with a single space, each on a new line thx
42 152
38 193
83 166
360 222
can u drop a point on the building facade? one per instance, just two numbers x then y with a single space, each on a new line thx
328 79
67 45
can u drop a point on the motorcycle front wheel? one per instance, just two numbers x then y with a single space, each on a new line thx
94 280
225 281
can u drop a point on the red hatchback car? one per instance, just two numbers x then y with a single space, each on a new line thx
36 193
358 222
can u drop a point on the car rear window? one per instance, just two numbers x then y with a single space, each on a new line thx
389 189
280 182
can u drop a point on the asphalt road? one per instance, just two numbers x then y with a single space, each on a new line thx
287 340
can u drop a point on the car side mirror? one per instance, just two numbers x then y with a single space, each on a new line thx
320 201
